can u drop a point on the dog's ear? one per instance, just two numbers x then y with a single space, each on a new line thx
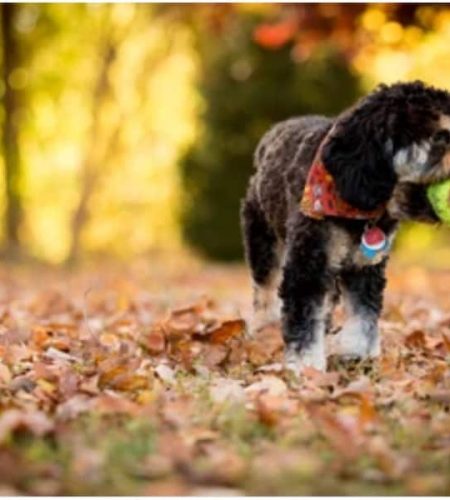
357 156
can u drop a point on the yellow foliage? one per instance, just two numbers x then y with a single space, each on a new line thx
142 126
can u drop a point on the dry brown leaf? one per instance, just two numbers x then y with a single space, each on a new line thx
416 339
269 384
182 321
130 382
320 378
271 409
227 331
115 404
110 341
338 435
16 353
446 340
5 374
90 385
177 412
227 390
154 341
73 407
272 462
173 487
13 420
389 462
39 336
222 465
213 355
68 383
266 346
166 373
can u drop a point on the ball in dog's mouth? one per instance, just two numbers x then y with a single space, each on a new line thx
439 196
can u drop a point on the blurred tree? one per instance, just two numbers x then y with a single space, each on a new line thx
246 87
94 156
12 76
109 108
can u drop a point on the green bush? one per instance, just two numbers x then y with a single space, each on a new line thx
245 89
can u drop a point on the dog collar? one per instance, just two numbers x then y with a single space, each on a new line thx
321 198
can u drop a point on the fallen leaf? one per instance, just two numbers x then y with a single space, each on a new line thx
213 355
13 420
154 341
271 409
338 435
269 384
416 339
227 330
165 373
182 321
5 374
227 390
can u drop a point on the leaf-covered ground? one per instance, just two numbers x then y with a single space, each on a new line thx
138 380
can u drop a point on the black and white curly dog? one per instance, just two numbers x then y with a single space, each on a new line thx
379 156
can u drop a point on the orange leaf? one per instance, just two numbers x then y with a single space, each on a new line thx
213 355
39 336
154 341
227 330
5 374
338 435
182 321
416 339
270 408
446 339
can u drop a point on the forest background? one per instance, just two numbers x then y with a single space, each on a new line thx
128 130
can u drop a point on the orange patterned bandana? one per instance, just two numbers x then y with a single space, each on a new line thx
320 196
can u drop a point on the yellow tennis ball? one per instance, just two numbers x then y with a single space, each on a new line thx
439 196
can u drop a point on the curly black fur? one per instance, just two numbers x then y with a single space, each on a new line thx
383 151
359 154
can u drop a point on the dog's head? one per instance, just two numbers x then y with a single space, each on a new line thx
399 134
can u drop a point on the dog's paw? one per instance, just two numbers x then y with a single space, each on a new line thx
357 340
313 357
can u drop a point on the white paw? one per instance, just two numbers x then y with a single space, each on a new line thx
358 339
313 357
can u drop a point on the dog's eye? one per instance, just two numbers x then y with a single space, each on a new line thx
442 136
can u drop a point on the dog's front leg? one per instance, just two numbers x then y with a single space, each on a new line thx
303 294
362 290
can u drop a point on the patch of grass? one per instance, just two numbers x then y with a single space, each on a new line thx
238 426
92 455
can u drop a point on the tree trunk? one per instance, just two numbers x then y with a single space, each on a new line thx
11 151
90 167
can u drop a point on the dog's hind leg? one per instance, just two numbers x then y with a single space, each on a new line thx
263 253
362 290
